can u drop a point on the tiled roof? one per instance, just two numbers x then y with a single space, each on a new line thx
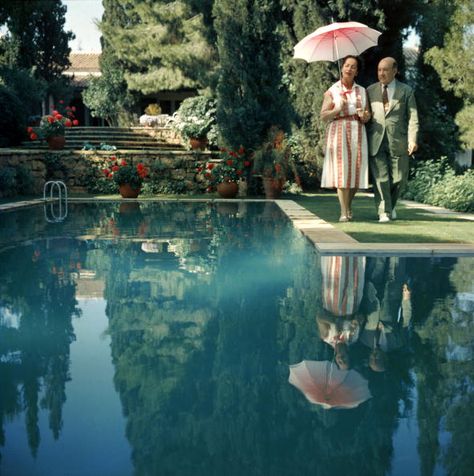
84 63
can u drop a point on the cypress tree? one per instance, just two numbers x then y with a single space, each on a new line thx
453 62
207 77
307 83
107 96
437 107
249 92
37 29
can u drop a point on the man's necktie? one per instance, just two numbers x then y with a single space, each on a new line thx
385 98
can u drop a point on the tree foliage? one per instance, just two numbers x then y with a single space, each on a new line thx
250 93
107 96
161 45
36 30
454 64
437 107
35 45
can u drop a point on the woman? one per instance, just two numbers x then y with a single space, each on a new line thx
345 108
338 320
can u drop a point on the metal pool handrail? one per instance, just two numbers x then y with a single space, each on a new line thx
61 188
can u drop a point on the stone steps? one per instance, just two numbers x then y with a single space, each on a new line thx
120 145
132 138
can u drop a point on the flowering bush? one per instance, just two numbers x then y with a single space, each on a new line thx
54 124
230 168
121 172
273 158
196 118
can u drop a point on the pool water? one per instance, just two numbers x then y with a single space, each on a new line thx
159 339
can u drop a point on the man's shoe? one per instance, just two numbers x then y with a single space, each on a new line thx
393 215
384 218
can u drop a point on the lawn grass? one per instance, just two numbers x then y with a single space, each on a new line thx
414 225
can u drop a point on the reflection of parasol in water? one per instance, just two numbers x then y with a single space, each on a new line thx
323 383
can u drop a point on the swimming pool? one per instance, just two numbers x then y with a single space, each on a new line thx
158 338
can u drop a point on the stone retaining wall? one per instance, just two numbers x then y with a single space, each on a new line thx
75 168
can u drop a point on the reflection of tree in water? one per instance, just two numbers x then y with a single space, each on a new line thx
445 370
38 294
205 391
201 358
196 355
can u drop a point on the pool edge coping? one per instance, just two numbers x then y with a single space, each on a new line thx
330 241
325 237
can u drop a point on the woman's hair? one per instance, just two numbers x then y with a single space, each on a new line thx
359 62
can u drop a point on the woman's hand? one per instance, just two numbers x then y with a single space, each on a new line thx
364 115
328 109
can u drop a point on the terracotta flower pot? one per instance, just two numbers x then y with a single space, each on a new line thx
127 191
129 207
273 187
198 143
56 142
227 189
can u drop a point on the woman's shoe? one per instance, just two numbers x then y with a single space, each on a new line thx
349 215
344 219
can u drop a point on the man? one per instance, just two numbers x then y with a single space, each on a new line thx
388 309
392 135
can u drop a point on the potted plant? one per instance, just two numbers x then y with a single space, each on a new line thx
273 161
195 121
128 177
52 127
225 173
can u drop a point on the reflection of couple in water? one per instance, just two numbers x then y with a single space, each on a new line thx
365 301
365 309
342 287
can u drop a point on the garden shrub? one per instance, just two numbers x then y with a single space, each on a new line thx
24 180
196 117
307 160
437 183
16 180
12 119
8 181
29 90
54 164
455 192
423 177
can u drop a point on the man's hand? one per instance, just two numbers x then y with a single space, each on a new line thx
412 148
406 293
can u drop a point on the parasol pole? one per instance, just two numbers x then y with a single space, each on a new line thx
337 54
